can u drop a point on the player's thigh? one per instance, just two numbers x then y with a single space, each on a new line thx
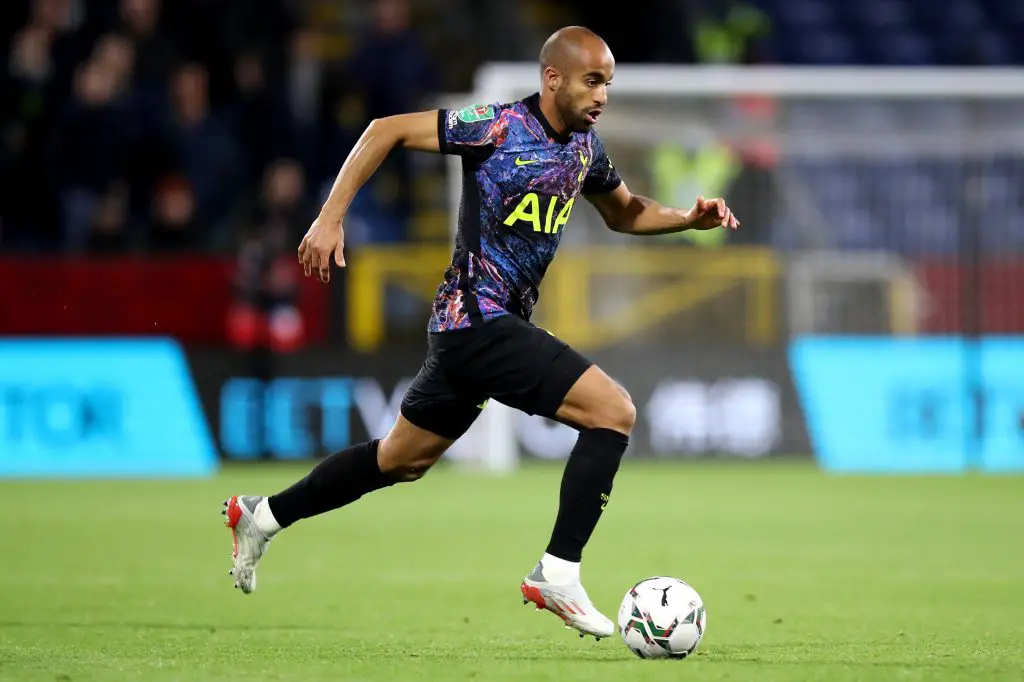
528 368
596 401
434 414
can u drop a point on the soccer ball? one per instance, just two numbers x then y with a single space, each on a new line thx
662 618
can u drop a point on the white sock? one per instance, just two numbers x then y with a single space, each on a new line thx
265 520
560 571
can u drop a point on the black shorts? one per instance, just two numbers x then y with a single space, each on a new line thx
505 358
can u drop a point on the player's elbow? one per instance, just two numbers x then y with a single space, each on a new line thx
417 131
620 221
618 224
623 217
385 129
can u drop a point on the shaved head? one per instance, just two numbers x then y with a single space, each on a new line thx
565 47
576 67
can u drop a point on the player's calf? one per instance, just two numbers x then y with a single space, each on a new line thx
339 479
604 415
403 455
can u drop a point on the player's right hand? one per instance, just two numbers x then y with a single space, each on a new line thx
321 241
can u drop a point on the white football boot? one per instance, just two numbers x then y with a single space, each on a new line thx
569 602
249 543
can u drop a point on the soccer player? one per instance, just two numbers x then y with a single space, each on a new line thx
524 164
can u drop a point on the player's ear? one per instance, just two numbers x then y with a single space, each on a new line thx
552 79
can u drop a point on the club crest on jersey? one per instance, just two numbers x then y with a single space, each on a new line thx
477 112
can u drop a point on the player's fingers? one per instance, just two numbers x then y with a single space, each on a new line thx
735 223
339 254
325 266
302 249
720 208
701 204
313 263
307 266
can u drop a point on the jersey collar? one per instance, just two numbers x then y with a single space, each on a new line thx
533 104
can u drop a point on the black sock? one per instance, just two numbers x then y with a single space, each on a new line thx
337 480
586 485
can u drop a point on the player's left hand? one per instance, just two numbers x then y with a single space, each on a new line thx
708 214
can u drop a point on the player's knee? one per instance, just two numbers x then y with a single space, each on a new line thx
402 465
410 473
624 418
616 413
407 452
406 471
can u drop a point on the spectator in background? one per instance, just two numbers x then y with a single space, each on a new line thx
204 152
395 74
304 84
284 208
259 119
265 318
174 223
149 152
29 96
154 59
109 224
61 19
88 149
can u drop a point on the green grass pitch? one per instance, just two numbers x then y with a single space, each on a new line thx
805 576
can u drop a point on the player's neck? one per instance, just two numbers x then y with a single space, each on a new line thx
550 111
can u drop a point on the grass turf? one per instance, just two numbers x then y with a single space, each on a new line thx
805 576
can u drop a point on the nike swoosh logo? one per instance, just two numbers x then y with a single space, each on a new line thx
520 162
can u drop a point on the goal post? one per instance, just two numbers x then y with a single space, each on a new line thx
851 178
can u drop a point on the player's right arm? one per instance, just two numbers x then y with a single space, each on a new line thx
470 132
417 131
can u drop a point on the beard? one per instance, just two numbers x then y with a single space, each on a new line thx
575 121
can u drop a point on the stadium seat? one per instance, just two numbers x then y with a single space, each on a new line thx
900 47
855 229
898 32
878 13
931 115
1008 13
823 47
931 229
804 14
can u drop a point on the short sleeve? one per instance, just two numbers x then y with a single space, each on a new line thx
602 176
471 131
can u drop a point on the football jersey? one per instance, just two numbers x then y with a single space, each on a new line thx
520 179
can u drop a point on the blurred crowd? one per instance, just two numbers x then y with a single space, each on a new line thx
166 125
218 125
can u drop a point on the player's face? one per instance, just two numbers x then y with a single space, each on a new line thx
584 90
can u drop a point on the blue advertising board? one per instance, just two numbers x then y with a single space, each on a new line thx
922 405
100 408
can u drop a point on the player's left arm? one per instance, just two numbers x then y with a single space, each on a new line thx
630 213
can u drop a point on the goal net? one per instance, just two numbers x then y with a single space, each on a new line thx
856 187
